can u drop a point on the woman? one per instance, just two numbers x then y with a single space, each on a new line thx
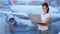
43 27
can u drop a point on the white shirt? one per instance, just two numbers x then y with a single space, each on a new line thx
43 18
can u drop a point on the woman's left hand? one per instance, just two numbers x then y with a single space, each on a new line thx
44 24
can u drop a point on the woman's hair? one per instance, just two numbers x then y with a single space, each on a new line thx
46 4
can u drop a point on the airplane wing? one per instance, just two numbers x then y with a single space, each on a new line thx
20 15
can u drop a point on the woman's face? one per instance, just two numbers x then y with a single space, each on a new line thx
44 9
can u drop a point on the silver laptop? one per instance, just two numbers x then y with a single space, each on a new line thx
35 18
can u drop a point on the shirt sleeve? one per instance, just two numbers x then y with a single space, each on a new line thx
48 15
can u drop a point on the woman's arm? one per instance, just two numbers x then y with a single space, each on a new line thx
46 22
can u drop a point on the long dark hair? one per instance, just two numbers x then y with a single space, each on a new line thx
46 4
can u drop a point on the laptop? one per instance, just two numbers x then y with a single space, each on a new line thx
35 18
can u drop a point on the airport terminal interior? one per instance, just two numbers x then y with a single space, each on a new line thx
18 11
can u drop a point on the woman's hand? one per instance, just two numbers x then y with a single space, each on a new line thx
44 24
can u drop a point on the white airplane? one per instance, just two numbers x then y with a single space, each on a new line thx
35 9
